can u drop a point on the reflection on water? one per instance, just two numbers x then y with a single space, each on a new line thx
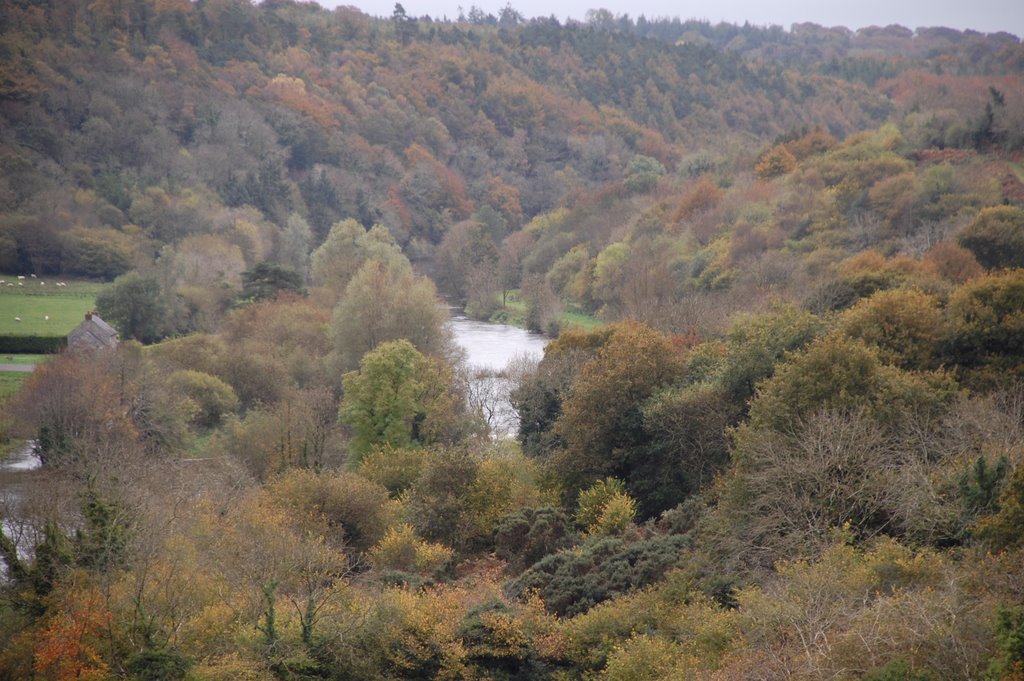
25 459
489 349
15 486
492 346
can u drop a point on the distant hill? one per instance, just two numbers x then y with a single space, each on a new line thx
154 135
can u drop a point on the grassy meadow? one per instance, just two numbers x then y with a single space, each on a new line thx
41 298
22 359
10 382
514 313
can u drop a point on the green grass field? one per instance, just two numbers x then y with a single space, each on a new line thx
514 314
10 382
33 303
23 359
578 320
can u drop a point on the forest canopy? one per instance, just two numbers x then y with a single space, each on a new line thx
776 433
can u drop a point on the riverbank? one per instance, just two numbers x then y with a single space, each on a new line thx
21 456
514 314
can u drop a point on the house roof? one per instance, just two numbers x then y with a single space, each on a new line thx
94 333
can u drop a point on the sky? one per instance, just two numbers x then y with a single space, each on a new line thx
987 16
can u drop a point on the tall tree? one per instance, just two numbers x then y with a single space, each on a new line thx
398 398
602 421
348 246
135 306
386 301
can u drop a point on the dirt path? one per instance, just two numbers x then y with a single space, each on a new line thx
17 367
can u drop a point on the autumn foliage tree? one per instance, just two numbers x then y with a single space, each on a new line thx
996 237
985 324
839 373
601 421
904 325
848 510
387 301
774 162
399 398
68 645
77 410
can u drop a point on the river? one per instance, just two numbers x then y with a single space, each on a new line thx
25 459
490 348
493 346
16 477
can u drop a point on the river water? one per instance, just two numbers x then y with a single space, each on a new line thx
16 475
490 348
493 346
25 459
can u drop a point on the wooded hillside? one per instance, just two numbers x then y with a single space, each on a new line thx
786 444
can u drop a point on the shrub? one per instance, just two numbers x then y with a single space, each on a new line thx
395 469
440 503
618 514
951 262
756 344
571 582
528 535
32 345
996 237
1008 663
647 658
505 482
346 501
643 173
266 279
605 508
774 162
839 373
592 501
1005 529
904 326
495 640
986 319
157 665
96 253
704 196
690 445
400 549
213 398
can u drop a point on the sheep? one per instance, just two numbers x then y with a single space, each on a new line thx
46 317
17 319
